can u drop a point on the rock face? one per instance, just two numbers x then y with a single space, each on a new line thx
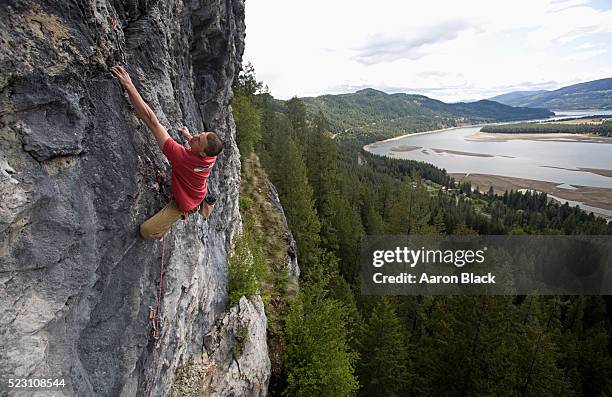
77 177
235 361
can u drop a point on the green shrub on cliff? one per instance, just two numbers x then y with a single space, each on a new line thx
247 266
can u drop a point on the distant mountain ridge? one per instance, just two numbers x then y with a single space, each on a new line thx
515 96
372 111
595 94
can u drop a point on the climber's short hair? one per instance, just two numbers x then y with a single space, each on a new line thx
214 144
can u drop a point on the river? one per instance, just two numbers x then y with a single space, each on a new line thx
569 167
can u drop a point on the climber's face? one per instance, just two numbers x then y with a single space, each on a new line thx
198 143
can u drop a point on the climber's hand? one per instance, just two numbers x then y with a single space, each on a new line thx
124 78
185 132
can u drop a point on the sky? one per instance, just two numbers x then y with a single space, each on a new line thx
448 50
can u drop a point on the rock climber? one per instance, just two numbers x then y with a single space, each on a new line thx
190 166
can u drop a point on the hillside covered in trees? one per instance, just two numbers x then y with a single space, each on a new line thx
596 94
338 342
382 115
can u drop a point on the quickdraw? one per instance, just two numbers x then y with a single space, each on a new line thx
154 327
154 318
122 56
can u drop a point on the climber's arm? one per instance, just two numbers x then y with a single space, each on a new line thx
143 111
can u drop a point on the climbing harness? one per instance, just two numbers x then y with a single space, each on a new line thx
154 318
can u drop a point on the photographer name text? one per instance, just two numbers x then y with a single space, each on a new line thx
424 278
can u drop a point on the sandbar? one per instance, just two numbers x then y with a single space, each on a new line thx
598 171
405 148
462 153
551 137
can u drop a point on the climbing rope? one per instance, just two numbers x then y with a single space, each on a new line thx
155 316
160 291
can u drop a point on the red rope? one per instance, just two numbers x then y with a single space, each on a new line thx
160 291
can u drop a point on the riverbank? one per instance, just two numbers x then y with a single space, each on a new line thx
377 143
600 198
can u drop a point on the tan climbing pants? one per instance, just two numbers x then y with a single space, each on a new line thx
159 224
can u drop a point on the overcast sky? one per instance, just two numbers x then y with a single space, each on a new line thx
449 50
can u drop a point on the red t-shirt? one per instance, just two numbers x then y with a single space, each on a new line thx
189 173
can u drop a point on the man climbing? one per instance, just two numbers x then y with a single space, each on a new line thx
190 166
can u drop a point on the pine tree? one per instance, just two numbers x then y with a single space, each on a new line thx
296 113
438 222
297 198
321 160
347 224
585 356
538 367
317 358
385 368
410 210
269 130
248 123
372 220
246 110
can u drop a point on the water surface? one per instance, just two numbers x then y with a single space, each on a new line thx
551 161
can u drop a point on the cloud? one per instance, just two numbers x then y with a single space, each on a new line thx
562 25
561 5
441 48
585 46
432 74
585 55
382 48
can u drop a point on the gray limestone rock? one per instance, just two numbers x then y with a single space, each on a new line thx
77 177
235 359
292 262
